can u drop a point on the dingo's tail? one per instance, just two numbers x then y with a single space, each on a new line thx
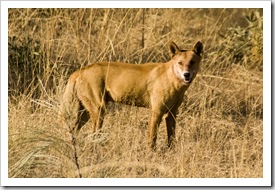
70 104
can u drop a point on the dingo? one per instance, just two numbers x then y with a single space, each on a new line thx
157 86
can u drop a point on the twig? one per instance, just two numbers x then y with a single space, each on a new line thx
75 155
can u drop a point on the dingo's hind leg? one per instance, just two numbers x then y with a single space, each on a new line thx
82 118
95 111
98 117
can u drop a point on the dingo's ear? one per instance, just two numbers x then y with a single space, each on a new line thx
174 49
198 48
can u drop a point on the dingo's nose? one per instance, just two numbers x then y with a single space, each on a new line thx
186 75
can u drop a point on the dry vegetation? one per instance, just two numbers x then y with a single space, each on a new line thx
219 129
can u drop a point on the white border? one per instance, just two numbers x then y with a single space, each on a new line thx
267 91
265 181
135 4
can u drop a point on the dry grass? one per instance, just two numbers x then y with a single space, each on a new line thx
219 129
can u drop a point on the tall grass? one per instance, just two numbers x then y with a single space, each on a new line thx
219 127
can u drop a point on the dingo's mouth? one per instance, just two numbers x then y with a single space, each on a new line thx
187 81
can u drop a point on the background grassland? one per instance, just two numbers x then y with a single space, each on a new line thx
219 126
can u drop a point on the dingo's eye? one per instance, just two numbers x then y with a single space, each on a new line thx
180 63
192 62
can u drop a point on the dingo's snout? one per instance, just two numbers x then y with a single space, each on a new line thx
187 77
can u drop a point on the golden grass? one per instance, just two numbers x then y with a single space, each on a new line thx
219 126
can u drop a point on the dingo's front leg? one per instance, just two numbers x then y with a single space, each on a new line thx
171 127
153 128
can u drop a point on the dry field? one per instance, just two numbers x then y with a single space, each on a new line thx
220 124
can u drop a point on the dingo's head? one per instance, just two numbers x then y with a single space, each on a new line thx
186 63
